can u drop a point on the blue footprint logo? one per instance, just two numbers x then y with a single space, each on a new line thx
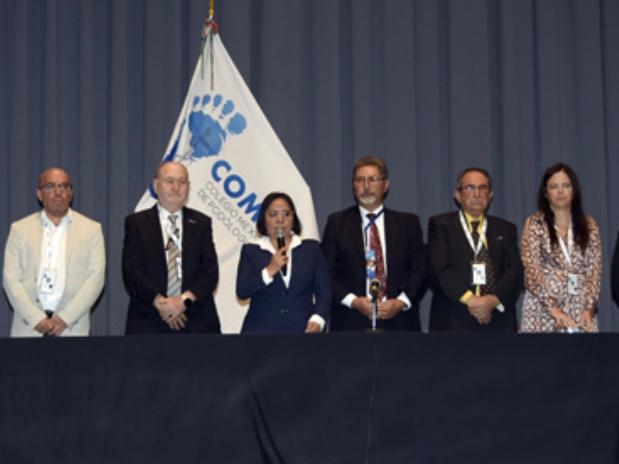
211 121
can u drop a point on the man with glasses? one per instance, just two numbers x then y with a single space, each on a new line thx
54 264
475 268
374 254
169 262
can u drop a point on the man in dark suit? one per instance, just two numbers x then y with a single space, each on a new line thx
367 245
169 262
475 267
614 273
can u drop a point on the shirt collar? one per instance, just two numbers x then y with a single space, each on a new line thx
265 244
470 218
164 213
46 221
364 212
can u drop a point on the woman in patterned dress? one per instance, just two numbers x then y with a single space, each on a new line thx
562 259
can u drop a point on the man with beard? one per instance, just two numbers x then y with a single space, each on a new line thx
373 249
54 264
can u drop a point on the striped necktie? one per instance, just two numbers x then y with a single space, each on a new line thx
174 258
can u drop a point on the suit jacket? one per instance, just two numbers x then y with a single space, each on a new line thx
342 244
145 271
275 308
450 257
85 274
614 273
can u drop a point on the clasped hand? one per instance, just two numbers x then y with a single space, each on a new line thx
386 309
481 307
53 327
172 311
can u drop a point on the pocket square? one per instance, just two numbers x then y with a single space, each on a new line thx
191 220
500 237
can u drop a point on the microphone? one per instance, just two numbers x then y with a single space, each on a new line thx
281 243
374 288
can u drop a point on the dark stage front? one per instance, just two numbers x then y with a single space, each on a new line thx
337 398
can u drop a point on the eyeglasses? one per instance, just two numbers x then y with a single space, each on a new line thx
283 213
170 182
369 179
51 186
470 188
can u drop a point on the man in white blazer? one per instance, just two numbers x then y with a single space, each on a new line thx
54 264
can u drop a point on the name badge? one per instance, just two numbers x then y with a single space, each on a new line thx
573 284
179 268
48 280
370 263
478 271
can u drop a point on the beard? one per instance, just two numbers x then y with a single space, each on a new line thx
366 200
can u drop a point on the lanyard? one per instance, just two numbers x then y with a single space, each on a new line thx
175 238
482 234
369 224
566 249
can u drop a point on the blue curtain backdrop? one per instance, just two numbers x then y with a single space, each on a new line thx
432 86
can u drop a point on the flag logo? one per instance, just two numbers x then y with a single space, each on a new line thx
211 122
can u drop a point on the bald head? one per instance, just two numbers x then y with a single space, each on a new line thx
55 192
172 185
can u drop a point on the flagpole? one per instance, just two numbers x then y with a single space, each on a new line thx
209 28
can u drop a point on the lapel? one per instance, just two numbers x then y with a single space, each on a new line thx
153 223
460 236
189 229
392 232
494 245
354 232
36 239
72 235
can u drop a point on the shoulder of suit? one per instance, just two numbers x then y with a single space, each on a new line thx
27 221
344 213
194 214
142 214
452 216
310 242
401 215
85 219
499 222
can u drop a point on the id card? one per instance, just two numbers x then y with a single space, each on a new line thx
573 284
478 271
48 280
370 263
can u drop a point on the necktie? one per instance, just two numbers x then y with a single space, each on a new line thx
484 257
378 251
174 254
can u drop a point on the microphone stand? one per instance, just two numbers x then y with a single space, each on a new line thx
374 310
374 291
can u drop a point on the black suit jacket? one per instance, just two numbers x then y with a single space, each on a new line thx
614 273
145 271
342 244
450 257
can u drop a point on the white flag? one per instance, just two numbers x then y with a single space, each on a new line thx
234 160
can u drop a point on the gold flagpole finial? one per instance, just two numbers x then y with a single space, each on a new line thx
211 10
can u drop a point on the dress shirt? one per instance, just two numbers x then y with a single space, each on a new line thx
165 226
469 220
365 230
53 261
